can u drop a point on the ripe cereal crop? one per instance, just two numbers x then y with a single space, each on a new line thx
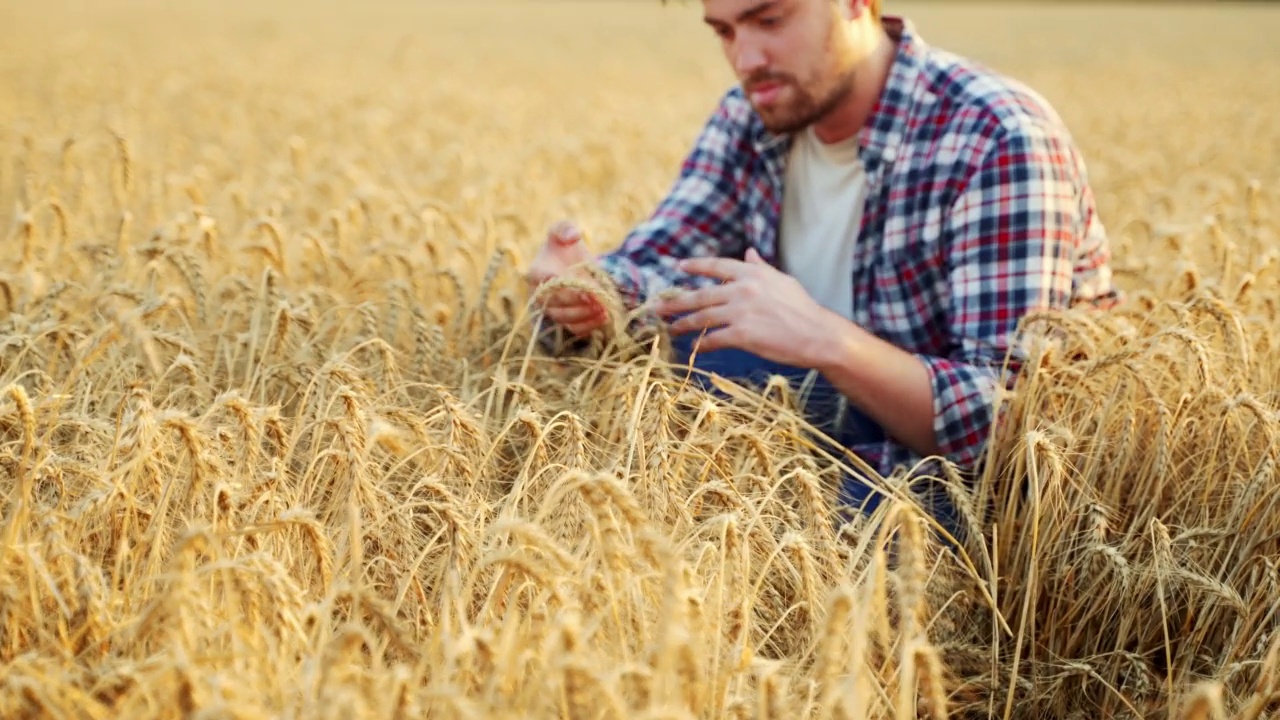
276 440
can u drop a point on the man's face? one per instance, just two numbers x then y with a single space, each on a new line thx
791 56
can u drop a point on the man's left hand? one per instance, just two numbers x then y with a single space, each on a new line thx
757 308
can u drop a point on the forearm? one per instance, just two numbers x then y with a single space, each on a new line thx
889 384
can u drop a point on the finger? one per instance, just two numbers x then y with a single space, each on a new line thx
565 232
715 267
705 319
563 298
585 328
694 300
572 314
722 339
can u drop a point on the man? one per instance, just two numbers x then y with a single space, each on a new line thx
867 207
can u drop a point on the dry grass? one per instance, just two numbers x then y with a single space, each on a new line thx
275 442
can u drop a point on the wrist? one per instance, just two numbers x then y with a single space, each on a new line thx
835 344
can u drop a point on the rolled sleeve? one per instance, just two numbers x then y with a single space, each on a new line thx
964 407
1014 233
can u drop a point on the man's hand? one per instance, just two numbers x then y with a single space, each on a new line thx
580 313
764 311
758 309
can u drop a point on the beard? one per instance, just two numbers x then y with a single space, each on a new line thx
805 106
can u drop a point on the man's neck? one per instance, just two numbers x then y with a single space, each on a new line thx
868 84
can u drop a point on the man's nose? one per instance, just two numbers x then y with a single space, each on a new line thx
748 58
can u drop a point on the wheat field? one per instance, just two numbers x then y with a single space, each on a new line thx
276 442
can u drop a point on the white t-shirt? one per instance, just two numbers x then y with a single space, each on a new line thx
823 196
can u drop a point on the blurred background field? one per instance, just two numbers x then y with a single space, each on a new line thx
1117 71
274 444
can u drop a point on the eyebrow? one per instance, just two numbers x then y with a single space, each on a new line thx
747 14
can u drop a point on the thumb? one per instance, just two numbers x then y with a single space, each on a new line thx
754 258
565 234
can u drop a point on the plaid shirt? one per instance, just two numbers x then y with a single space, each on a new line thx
979 211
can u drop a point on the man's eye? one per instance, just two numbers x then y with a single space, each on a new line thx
771 21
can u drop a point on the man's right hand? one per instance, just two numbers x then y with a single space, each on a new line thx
579 312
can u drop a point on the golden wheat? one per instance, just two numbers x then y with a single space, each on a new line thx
277 439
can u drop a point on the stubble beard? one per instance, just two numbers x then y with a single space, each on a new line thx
806 109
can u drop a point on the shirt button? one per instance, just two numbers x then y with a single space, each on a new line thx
890 154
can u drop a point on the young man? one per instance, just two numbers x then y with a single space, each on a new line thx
867 207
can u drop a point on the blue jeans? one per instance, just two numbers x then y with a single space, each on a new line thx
823 407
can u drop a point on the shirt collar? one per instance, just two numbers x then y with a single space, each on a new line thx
883 132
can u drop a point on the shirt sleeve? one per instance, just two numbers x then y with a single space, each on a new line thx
700 216
1017 232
